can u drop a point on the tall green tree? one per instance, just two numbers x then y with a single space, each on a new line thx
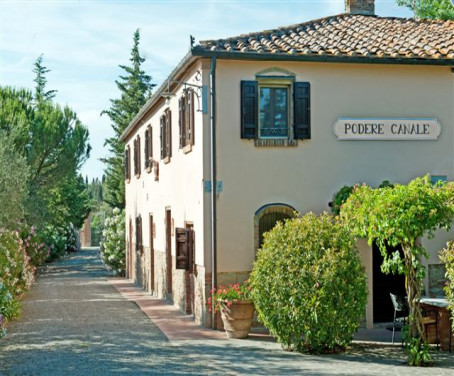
41 95
51 138
135 87
433 9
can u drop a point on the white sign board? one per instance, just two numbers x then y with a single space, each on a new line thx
377 129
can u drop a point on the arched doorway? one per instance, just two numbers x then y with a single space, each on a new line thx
266 218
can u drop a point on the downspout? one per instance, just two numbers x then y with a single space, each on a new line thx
214 269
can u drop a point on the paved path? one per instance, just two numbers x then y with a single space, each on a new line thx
75 323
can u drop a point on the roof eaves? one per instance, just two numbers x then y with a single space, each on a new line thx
237 55
183 64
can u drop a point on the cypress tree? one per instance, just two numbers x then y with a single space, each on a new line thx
135 88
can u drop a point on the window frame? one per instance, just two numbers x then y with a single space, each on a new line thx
276 84
128 164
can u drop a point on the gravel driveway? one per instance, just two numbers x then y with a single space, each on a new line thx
75 323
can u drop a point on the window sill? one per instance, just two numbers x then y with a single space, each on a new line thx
275 142
166 160
187 149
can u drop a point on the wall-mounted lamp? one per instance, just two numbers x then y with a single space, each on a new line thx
201 92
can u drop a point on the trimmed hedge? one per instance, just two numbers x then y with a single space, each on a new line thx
308 284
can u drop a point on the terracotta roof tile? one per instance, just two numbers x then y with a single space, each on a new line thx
349 35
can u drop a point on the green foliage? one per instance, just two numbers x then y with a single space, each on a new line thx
308 285
447 256
401 215
417 350
135 88
435 9
340 197
13 182
113 242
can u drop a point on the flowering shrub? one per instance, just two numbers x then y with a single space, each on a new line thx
55 239
72 237
224 296
16 271
9 307
308 284
35 248
113 242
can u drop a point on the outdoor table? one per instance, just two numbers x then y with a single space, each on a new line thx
440 305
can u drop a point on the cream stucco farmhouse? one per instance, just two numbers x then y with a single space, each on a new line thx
246 130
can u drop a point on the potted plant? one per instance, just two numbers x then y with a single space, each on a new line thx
236 307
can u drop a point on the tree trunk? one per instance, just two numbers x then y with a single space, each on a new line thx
413 287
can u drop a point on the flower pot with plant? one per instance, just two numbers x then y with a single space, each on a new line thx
236 307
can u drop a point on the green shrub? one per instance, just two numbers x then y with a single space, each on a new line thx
308 285
340 197
447 256
113 242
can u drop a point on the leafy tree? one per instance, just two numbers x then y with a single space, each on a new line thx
401 215
135 87
434 9
13 183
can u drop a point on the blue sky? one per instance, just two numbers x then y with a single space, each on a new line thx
84 41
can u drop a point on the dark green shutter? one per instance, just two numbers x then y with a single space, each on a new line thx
146 148
181 121
302 110
163 137
249 109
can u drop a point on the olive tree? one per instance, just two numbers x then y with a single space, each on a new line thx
402 215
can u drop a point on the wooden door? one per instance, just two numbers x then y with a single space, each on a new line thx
130 250
169 251
151 254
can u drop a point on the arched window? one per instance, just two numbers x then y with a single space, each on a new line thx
266 218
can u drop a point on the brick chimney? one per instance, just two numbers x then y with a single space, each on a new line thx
365 7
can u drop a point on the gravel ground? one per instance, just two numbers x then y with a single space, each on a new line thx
75 323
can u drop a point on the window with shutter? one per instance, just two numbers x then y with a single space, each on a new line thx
127 164
182 248
275 109
186 120
135 157
166 135
148 147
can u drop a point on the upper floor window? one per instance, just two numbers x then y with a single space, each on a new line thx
127 163
137 157
186 119
148 147
166 135
275 108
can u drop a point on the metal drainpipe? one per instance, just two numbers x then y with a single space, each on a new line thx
214 268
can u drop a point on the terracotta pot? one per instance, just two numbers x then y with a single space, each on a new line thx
237 318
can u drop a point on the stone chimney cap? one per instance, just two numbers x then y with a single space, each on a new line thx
364 7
